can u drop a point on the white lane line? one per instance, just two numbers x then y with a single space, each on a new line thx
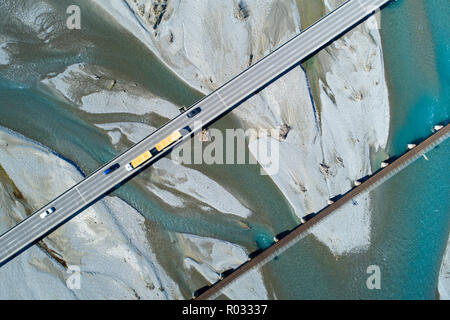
221 99
42 222
272 64
70 201
263 70
289 52
36 228
76 188
281 51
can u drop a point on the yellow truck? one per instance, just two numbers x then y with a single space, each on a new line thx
138 161
173 137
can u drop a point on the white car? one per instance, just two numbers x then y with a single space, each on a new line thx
129 167
47 212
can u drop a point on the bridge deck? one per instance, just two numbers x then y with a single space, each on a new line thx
213 106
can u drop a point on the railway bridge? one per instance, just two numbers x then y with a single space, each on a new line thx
388 169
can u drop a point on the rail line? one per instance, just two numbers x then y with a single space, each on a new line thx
296 234
214 106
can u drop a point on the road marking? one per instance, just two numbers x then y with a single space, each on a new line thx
258 74
76 188
287 54
221 99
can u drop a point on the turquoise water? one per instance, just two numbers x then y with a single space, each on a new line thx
416 46
44 119
36 113
411 222
413 219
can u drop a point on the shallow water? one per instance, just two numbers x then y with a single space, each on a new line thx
39 115
413 215
411 219
411 223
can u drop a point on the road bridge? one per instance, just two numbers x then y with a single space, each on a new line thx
213 107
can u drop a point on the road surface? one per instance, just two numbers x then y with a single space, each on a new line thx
214 106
